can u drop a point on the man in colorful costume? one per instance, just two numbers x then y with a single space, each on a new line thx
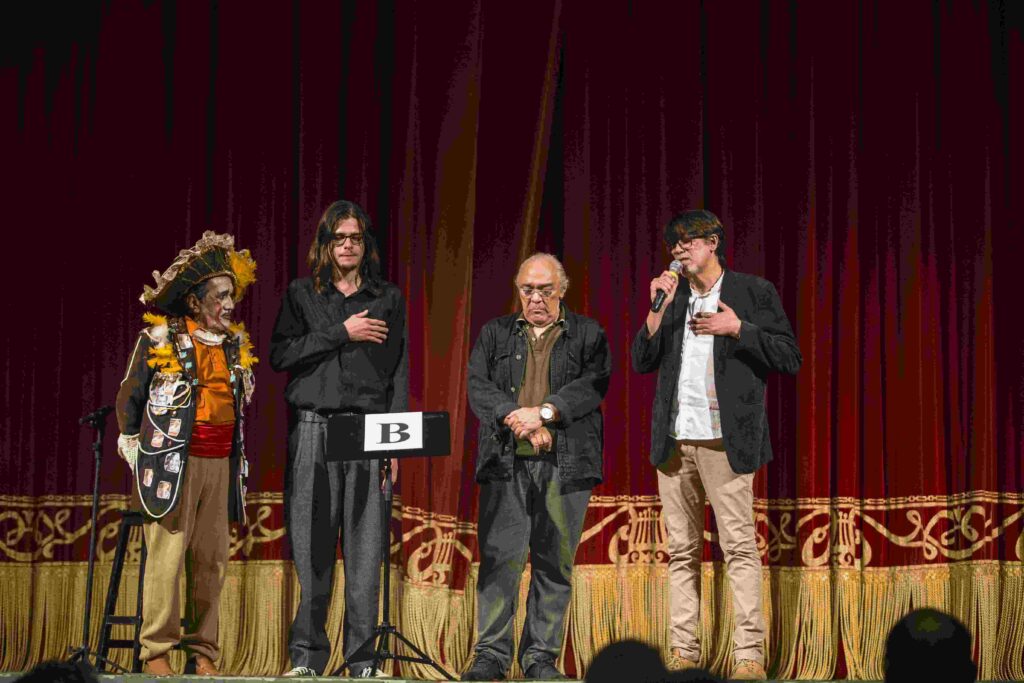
179 409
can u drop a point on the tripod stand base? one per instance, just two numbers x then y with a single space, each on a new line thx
381 653
82 655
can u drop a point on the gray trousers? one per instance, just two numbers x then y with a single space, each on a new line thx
322 500
537 513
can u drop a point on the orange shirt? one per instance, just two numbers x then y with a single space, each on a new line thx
215 404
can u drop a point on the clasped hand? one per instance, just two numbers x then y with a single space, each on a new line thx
522 421
525 423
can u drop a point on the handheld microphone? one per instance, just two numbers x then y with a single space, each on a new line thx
674 269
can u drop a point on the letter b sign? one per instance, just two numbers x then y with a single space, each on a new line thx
393 432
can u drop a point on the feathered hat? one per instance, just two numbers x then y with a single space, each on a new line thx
211 256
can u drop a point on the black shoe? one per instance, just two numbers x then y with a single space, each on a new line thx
544 670
484 668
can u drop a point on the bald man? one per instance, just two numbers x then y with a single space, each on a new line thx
536 382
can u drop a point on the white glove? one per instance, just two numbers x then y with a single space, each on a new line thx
128 448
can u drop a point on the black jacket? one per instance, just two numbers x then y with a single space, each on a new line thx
136 414
579 371
766 344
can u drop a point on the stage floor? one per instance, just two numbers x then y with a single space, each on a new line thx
138 678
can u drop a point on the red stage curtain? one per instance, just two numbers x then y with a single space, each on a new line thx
864 157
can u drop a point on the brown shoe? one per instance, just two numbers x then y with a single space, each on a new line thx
158 666
748 670
205 666
677 662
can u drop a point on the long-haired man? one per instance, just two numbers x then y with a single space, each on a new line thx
340 335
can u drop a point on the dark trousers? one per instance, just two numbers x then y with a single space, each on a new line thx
322 500
537 513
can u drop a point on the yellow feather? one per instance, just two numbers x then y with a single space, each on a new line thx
244 268
154 319
245 357
162 358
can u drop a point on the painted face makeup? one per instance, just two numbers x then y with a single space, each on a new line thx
217 305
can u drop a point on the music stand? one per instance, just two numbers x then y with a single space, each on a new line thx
392 435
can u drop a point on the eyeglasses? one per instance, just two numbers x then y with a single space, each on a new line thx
689 243
528 292
339 240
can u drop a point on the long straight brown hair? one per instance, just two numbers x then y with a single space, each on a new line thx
320 260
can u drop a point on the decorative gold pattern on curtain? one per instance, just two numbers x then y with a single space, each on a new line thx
620 530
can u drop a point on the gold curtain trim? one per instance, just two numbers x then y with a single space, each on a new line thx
894 503
814 616
631 530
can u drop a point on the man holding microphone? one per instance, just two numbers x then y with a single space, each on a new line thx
713 340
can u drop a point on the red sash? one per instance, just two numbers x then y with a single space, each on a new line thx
211 441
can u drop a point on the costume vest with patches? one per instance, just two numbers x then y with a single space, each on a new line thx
168 411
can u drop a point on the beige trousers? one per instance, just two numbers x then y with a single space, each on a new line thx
697 470
196 540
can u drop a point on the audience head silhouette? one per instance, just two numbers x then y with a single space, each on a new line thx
927 645
59 672
627 661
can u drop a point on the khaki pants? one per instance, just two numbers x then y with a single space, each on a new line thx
193 537
696 470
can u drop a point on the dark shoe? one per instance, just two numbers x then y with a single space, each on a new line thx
484 668
158 666
544 670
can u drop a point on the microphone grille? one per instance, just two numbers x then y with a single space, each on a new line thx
676 267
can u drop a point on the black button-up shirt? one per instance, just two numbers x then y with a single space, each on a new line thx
327 371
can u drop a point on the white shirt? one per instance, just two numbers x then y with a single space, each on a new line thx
695 412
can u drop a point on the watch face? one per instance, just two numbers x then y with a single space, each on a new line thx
546 413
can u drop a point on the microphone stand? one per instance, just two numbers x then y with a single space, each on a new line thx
81 654
385 628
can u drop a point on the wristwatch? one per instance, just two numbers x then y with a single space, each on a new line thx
547 413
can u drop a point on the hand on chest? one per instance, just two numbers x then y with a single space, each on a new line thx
338 308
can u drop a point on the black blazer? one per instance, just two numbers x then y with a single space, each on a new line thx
766 344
